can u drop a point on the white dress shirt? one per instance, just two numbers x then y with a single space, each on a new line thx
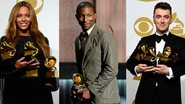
160 48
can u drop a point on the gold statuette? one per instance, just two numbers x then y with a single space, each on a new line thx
78 83
167 56
30 51
50 64
7 51
147 55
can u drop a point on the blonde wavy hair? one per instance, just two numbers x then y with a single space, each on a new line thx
12 33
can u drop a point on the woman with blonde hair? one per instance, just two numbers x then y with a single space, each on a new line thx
24 50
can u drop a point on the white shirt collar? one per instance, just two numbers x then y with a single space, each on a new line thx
164 33
89 31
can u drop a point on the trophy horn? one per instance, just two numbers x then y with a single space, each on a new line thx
7 51
50 63
167 51
30 49
77 78
151 51
143 47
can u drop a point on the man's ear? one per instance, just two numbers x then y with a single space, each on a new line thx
153 20
94 16
171 20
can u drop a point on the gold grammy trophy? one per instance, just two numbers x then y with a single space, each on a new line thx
7 51
148 56
78 83
30 51
50 64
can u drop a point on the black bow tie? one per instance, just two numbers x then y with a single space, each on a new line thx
158 38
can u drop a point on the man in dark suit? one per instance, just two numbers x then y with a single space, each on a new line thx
96 58
161 62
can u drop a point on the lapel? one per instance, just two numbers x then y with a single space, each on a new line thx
170 40
91 42
151 41
78 46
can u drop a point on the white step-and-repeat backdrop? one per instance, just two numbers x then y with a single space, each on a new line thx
48 20
139 23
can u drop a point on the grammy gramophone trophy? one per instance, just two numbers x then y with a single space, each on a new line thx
147 55
78 83
167 57
50 64
7 51
30 51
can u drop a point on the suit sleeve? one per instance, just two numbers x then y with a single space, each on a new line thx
132 62
109 69
179 67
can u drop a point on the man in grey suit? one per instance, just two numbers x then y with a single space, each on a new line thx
96 58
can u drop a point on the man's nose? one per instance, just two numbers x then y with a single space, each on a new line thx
85 18
162 20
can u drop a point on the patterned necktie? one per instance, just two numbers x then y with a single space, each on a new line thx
158 38
83 36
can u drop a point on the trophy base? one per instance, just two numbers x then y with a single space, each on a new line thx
32 73
6 56
75 96
28 58
51 74
149 63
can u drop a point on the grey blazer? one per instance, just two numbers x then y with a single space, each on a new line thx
99 66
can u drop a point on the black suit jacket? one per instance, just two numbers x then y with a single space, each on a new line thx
169 89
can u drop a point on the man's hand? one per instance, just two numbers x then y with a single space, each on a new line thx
140 68
85 93
161 69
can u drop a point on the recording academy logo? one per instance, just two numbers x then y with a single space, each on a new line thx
177 26
37 4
